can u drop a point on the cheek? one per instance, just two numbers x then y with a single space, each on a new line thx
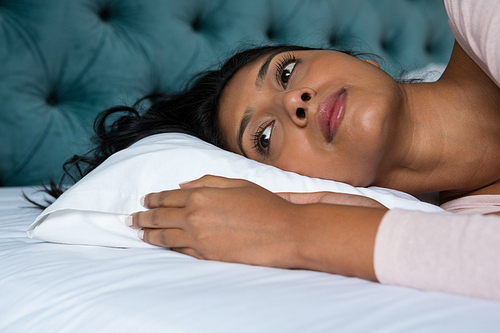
349 166
337 169
299 156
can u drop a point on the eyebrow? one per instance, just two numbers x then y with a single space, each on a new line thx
243 125
247 116
264 68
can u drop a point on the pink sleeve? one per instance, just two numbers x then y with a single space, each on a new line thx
476 27
444 252
474 204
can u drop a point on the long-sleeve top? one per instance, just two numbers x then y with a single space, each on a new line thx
460 252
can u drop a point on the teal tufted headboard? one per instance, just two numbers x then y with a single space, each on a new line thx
64 61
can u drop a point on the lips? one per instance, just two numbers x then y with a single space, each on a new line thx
331 112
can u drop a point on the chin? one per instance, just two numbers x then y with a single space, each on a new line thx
358 179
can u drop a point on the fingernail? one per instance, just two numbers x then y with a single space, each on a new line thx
142 199
140 234
129 221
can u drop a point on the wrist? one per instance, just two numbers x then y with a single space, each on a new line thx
336 239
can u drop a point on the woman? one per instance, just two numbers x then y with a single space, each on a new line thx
330 115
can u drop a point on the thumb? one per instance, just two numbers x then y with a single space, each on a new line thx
214 181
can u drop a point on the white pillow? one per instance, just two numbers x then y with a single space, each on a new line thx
92 212
430 73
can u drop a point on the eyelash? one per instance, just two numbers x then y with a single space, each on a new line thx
286 60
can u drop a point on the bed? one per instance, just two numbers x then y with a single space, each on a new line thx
49 287
63 61
95 275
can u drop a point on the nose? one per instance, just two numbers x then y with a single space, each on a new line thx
297 104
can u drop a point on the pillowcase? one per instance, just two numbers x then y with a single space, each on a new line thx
93 211
430 73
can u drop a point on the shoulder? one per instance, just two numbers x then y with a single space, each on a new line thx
476 26
472 15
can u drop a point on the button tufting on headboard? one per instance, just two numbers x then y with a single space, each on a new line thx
63 61
105 13
196 23
271 33
52 99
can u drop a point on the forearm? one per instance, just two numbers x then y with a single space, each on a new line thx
238 221
337 239
451 253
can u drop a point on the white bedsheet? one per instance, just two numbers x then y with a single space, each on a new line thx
48 287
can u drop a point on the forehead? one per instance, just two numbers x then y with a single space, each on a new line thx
238 97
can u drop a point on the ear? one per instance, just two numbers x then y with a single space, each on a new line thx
372 62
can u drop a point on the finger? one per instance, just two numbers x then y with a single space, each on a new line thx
158 218
301 198
172 198
349 200
331 198
215 181
165 237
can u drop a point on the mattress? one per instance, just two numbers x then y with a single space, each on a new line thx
49 287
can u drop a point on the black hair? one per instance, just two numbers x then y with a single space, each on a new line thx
192 111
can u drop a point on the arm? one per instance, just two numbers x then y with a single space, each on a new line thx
451 253
237 221
338 239
475 25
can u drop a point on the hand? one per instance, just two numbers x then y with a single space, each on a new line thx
221 219
234 220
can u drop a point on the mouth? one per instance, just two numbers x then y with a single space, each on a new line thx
331 112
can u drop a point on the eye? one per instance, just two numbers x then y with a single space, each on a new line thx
265 137
262 139
284 69
287 72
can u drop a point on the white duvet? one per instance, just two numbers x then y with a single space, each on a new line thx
47 287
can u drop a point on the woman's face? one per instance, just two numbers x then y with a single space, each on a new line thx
321 114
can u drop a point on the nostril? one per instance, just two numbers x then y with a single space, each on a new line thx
305 97
301 114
